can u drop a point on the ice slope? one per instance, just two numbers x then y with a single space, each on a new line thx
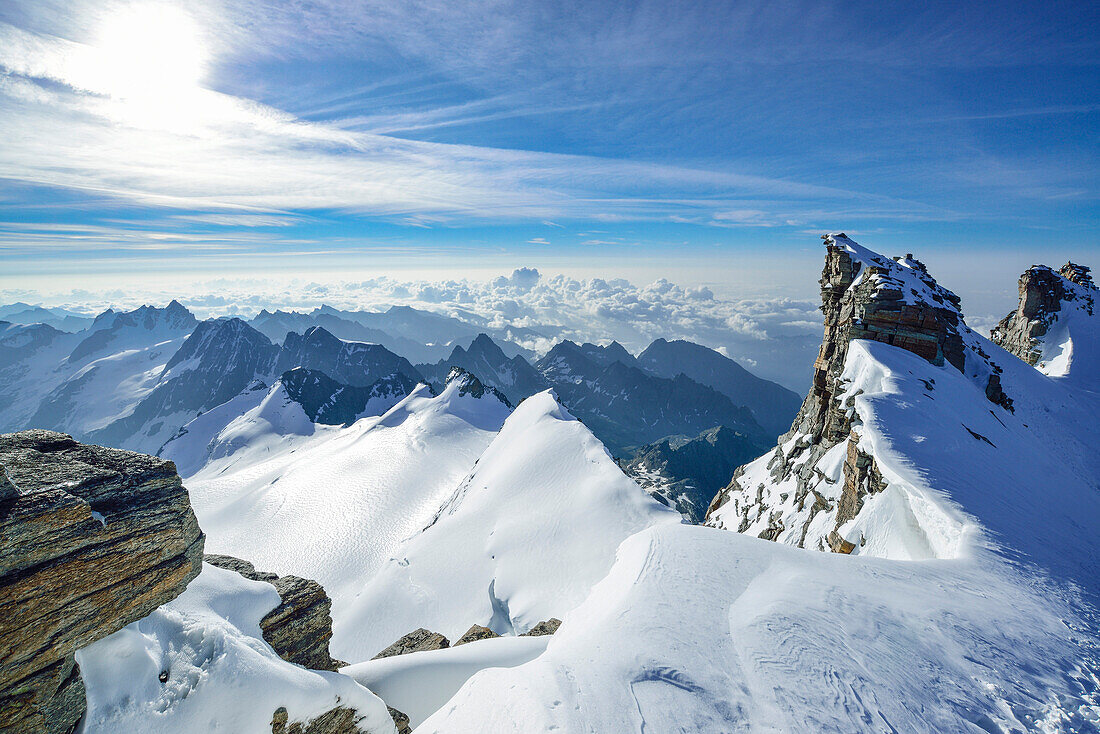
703 630
333 503
222 675
524 538
1071 346
419 683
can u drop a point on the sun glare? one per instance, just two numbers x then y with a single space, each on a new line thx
150 50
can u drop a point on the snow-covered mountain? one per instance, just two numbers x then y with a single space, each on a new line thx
59 318
958 484
773 406
515 377
82 381
523 538
331 503
219 359
628 408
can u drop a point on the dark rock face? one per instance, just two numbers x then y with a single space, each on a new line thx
299 628
627 408
685 474
415 641
475 633
92 539
333 403
772 405
1043 293
514 377
352 363
864 296
470 385
543 628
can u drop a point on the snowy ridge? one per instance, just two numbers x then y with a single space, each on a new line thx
529 532
331 503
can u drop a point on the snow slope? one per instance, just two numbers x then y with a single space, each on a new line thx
703 630
419 683
332 503
222 675
524 538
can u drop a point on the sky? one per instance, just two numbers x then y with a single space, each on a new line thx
156 144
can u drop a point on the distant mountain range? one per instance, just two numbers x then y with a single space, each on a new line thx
136 379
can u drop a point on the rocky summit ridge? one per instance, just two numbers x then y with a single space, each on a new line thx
864 297
1046 296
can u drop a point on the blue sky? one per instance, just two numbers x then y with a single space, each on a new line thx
703 139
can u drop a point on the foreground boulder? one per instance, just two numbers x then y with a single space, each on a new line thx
300 627
416 641
91 539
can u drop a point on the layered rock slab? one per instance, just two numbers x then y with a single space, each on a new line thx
92 539
300 627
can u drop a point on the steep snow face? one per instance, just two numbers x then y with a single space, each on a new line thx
523 538
700 630
331 503
113 332
221 674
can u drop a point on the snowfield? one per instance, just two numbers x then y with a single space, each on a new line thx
697 629
331 503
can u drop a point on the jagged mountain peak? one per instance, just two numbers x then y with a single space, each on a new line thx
468 384
1053 326
898 454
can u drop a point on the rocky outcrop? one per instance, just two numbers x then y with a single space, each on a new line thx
864 296
416 641
91 539
475 633
545 627
340 720
299 628
1043 293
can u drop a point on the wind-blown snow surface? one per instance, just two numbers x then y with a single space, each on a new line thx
524 538
222 675
419 683
703 630
332 503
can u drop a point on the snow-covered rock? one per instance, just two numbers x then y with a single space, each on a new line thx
1055 324
200 663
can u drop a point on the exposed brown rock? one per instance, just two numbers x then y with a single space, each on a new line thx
1042 295
91 539
475 633
546 627
866 297
339 720
415 641
299 629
